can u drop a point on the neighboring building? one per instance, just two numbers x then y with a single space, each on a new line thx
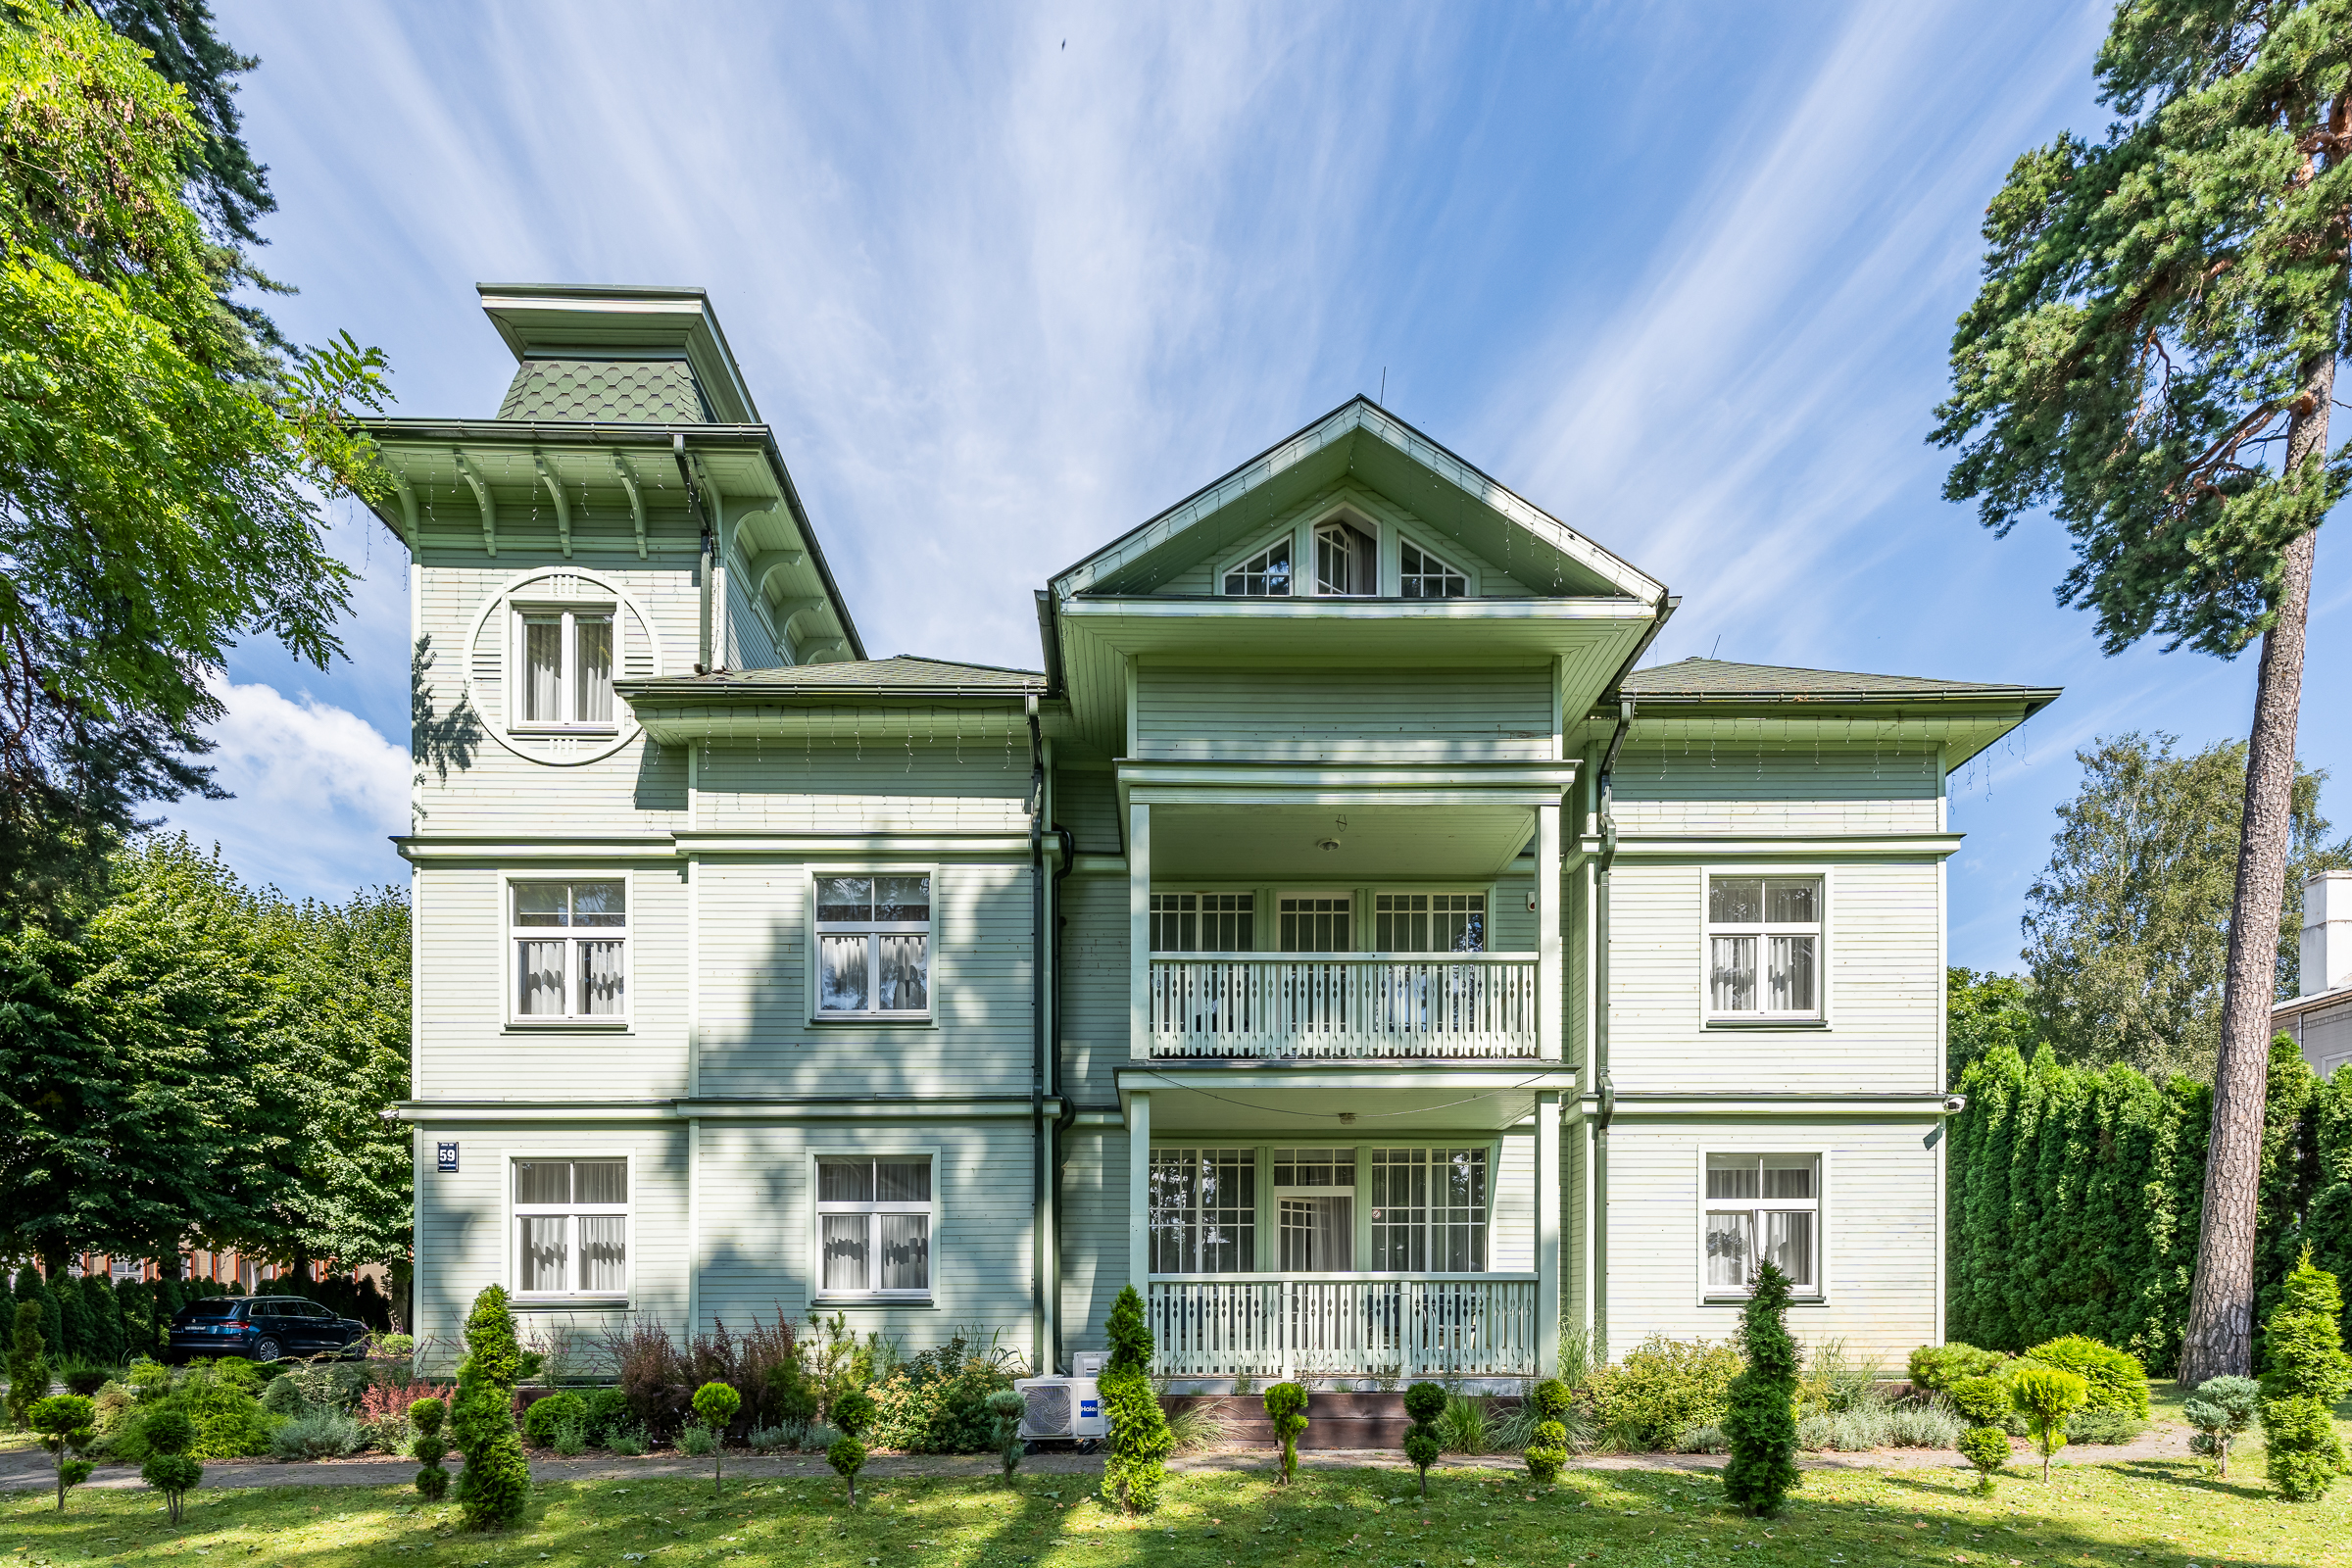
2320 1017
1339 938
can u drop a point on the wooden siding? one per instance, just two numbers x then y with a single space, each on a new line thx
1094 987
1344 715
1094 1233
750 641
1880 1228
1088 805
1702 789
1884 990
876 774
464 1242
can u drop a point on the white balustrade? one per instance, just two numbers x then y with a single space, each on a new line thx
1401 1326
1342 1004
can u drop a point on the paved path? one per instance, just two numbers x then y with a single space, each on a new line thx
23 1469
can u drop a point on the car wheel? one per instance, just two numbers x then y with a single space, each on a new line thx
269 1350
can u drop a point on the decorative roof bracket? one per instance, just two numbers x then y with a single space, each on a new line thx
790 610
562 507
482 499
628 482
766 563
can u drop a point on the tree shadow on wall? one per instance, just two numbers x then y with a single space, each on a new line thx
438 742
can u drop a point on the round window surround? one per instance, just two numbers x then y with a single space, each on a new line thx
489 652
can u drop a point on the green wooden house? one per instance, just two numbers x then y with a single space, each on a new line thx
1340 938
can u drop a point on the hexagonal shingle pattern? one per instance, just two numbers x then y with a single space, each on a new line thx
622 391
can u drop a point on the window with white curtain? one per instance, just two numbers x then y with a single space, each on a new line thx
572 1227
1203 922
1429 922
569 947
1315 922
1761 1208
1764 947
1314 1201
1429 1210
1264 575
874 1218
1204 1210
563 668
873 946
1422 575
1347 560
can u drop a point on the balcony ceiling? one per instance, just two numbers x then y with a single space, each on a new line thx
1282 843
1306 1100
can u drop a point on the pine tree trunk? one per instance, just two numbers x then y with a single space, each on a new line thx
2220 1339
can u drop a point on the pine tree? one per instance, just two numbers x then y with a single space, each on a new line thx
2152 359
1762 1420
2307 1372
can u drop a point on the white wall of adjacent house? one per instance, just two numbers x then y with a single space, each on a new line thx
2324 1031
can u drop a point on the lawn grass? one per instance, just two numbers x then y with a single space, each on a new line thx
2158 1515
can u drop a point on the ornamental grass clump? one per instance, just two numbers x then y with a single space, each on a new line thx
1285 1408
1140 1440
429 1448
1761 1422
853 1412
2045 1396
1982 1401
1547 1448
1424 1404
2221 1410
496 1482
714 1406
170 1468
2306 1373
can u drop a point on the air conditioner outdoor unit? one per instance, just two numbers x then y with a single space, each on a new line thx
1065 1409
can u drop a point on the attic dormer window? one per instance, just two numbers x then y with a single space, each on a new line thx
1345 561
1422 575
1264 575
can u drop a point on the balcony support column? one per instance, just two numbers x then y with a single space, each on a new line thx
1551 990
1139 937
1547 1233
1139 1194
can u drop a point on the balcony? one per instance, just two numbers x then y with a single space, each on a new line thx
1401 1326
1344 1006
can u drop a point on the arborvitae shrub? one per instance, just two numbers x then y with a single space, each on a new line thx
714 1406
1424 1404
853 1411
429 1448
542 1416
1285 1408
2047 1395
496 1482
1987 1448
1761 1422
2220 1410
74 1319
2115 1378
170 1468
1547 1445
28 1367
2306 1371
63 1423
1140 1441
1935 1368
107 1342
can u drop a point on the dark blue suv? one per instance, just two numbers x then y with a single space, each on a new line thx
261 1328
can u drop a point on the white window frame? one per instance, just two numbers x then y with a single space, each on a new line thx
1442 558
1264 543
1255 916
1372 918
1311 575
510 1159
1267 1261
1819 1207
520 611
511 933
1272 933
1817 1017
814 962
936 1209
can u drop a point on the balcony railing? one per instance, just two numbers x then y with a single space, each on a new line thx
1343 1004
1403 1326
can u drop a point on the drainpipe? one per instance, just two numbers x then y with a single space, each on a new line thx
1069 1110
1040 1220
1600 1030
693 508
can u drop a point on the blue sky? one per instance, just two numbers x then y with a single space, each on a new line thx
1007 281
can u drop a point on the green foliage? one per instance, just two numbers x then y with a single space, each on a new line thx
61 1422
847 1456
2047 1395
1285 1408
103 1318
28 1367
1938 1368
1987 1448
714 1406
284 1397
2305 1373
315 1434
937 1403
1140 1440
1546 1449
1983 1012
1981 1400
2221 1410
496 1482
1761 1421
542 1415
1006 1409
2115 1378
853 1411
609 1413
1424 1404
429 1448
1662 1389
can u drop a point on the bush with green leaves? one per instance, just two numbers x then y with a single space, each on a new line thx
1662 1389
495 1485
315 1434
2115 1379
714 1406
2047 1395
28 1365
429 1448
1761 1421
543 1415
2305 1372
794 1399
1007 1407
1935 1368
1140 1440
2221 1410
1424 1405
1987 1449
61 1422
608 1415
1286 1409
282 1397
1547 1448
853 1409
170 1468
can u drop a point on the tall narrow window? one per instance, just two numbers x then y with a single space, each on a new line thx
1203 1213
570 948
1346 561
873 947
1761 1208
873 1219
1264 575
1429 922
1315 923
566 664
1315 1198
1422 575
1429 1210
1203 922
1764 947
572 1227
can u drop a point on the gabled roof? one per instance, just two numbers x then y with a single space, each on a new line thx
906 675
631 391
1721 680
1362 440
